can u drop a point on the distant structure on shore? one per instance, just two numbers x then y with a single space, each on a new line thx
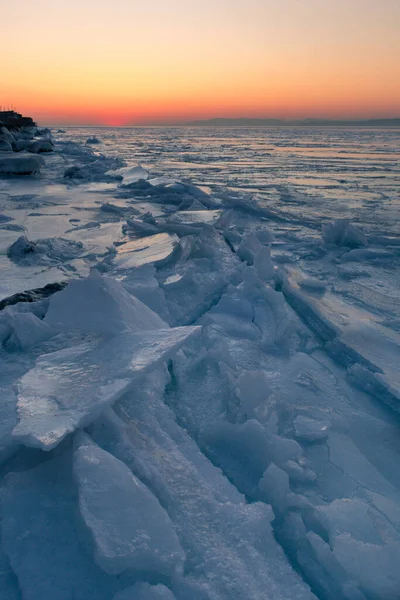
13 120
248 122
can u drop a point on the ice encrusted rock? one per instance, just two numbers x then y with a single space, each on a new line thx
5 134
130 529
5 146
20 163
39 146
145 591
100 305
93 140
20 248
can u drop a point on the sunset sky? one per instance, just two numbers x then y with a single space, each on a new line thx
122 62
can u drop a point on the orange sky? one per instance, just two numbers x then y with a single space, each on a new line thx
124 62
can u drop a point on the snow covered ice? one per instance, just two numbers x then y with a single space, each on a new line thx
199 365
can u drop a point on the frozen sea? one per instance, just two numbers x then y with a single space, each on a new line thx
200 399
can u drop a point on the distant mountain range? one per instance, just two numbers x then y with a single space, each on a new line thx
248 122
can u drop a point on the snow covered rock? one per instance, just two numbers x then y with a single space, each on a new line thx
130 529
20 145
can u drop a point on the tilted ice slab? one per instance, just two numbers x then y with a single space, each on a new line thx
354 337
100 305
131 175
157 249
129 527
68 389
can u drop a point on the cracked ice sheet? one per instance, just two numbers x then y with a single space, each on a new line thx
70 388
231 553
354 337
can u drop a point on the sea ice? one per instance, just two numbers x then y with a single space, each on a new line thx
40 536
102 305
132 175
130 528
154 249
68 389
145 591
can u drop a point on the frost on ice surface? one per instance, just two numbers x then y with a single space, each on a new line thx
130 528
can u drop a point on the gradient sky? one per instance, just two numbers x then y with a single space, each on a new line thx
121 62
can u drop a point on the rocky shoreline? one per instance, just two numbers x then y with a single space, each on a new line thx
20 137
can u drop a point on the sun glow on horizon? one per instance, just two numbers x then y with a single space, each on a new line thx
172 61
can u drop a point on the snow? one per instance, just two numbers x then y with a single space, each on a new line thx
204 403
